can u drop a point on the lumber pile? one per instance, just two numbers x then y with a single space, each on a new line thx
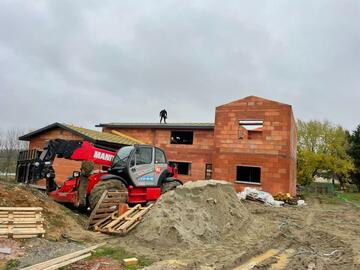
108 203
64 260
21 222
121 225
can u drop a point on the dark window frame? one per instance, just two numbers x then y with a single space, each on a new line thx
251 134
254 177
173 140
176 163
208 171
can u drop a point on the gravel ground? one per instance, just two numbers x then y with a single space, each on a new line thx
39 249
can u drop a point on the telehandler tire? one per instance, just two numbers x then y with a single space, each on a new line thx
167 186
110 185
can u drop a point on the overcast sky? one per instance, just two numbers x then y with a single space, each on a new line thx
86 62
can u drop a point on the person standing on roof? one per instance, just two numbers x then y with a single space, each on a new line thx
163 115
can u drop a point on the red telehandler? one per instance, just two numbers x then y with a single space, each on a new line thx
141 170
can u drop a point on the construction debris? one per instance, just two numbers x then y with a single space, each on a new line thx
130 261
122 224
253 194
5 250
64 260
21 222
108 203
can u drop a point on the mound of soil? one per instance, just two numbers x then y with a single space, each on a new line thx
197 213
203 225
60 222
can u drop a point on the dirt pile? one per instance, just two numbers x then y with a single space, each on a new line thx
60 222
197 213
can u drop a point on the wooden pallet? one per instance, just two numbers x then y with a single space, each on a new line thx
21 222
107 204
121 225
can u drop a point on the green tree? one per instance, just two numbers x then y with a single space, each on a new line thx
354 152
322 151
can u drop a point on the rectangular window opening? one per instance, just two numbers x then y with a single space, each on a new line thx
208 171
183 168
252 129
182 137
248 174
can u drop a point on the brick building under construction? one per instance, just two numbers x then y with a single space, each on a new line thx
251 143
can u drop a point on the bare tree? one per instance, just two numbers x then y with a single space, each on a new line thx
10 146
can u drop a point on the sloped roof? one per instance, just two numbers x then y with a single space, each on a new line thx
88 134
254 98
159 126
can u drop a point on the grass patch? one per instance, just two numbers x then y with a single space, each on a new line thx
338 198
323 198
352 198
12 264
118 254
328 199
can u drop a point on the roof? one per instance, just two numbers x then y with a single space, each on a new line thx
88 134
254 99
192 126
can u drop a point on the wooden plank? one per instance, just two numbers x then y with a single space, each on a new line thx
21 208
21 221
123 224
130 261
62 264
127 213
19 225
110 211
102 216
23 236
5 213
49 263
108 204
132 221
21 231
93 213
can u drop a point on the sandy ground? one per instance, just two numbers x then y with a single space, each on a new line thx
316 236
205 227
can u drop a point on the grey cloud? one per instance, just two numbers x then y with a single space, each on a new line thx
85 62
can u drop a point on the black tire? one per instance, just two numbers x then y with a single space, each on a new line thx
167 186
98 190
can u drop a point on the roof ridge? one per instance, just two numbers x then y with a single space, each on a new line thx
86 133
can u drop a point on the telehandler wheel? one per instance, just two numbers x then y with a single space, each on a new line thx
110 185
167 186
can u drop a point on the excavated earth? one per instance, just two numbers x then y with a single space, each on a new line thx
203 225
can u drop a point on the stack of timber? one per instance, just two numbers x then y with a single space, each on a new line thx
21 222
121 225
108 203
64 260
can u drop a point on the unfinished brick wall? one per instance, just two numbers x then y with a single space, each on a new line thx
274 151
63 167
198 154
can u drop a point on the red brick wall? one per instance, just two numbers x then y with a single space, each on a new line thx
199 153
63 167
273 152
